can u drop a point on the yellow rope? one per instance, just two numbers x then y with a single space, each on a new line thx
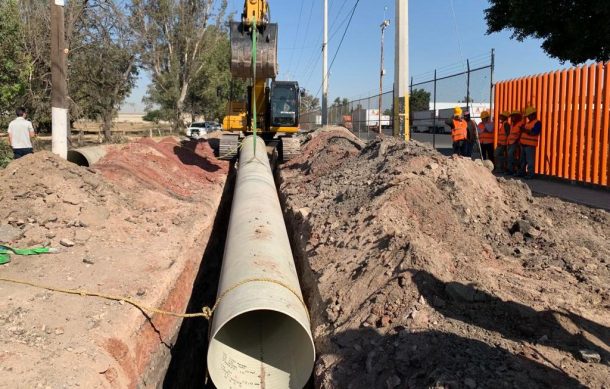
206 312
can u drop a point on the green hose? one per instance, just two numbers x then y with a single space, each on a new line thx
5 252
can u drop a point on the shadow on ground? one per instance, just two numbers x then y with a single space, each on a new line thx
434 359
187 369
511 319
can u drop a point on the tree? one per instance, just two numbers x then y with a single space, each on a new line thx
214 86
387 112
309 103
340 102
14 64
104 66
574 31
419 100
174 35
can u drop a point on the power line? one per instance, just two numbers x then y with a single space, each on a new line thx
298 30
306 35
340 43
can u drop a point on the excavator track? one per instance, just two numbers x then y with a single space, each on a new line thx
290 148
228 147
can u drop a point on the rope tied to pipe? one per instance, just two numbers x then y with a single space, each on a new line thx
206 312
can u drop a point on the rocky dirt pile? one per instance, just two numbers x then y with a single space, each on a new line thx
134 225
427 271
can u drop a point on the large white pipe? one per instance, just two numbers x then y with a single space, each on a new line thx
260 335
87 156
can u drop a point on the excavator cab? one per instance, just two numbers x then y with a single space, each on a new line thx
285 99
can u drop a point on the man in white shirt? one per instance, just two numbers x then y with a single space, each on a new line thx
20 133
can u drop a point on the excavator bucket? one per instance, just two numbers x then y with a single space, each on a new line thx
241 51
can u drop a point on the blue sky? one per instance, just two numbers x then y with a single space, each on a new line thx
437 40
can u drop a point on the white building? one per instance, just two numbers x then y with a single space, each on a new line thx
423 121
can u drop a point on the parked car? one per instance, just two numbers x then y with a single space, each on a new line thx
201 129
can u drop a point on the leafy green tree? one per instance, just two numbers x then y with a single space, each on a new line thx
214 86
309 103
14 64
419 100
175 35
104 67
340 102
154 116
574 31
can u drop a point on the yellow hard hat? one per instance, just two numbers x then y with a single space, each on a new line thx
457 111
485 114
515 112
506 114
530 110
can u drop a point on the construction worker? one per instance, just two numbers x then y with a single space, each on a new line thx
471 138
486 136
530 133
502 148
516 120
458 132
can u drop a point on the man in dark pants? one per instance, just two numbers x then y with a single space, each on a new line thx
486 136
20 134
471 137
458 132
529 141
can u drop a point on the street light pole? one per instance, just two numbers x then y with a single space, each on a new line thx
384 25
59 87
401 70
325 67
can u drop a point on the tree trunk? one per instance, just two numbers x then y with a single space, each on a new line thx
107 125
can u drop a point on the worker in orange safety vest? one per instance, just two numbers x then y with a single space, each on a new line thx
459 129
516 122
502 146
486 136
530 134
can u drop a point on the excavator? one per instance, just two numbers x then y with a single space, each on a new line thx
271 108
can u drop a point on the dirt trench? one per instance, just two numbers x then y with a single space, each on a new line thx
187 368
426 271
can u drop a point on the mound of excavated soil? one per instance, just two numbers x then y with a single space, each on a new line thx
134 225
178 169
427 271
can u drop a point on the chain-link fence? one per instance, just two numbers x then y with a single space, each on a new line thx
434 95
361 116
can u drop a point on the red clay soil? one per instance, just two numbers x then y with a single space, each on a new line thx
135 225
423 271
167 165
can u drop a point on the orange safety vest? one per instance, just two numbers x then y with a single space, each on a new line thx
527 139
459 130
515 133
502 136
485 137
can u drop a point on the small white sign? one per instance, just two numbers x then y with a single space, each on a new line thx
60 2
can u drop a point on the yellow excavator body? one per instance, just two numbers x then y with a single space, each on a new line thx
273 104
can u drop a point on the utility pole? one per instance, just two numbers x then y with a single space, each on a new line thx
384 25
401 70
325 67
59 90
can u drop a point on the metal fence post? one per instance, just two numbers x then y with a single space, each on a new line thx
491 81
409 119
434 113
